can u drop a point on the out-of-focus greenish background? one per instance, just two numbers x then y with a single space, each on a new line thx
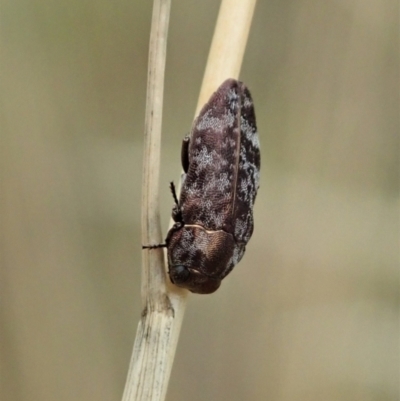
311 312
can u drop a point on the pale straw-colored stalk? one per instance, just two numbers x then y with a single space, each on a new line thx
163 303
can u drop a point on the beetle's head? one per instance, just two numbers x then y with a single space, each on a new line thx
198 259
193 280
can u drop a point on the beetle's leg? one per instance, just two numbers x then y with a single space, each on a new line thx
185 153
173 190
176 210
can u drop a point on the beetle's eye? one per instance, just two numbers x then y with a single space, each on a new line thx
179 274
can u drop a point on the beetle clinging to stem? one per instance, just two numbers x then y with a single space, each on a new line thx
214 214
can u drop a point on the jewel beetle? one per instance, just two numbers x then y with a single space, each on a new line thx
214 213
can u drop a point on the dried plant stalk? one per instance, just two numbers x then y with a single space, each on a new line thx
228 46
164 304
151 361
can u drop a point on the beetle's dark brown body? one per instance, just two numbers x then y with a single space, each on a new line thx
214 214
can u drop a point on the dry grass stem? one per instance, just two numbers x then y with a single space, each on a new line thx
227 47
164 304
151 362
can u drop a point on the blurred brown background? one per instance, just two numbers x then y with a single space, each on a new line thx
311 313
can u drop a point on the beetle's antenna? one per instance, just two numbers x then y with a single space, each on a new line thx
154 246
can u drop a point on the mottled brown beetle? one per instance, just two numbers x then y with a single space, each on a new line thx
214 214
